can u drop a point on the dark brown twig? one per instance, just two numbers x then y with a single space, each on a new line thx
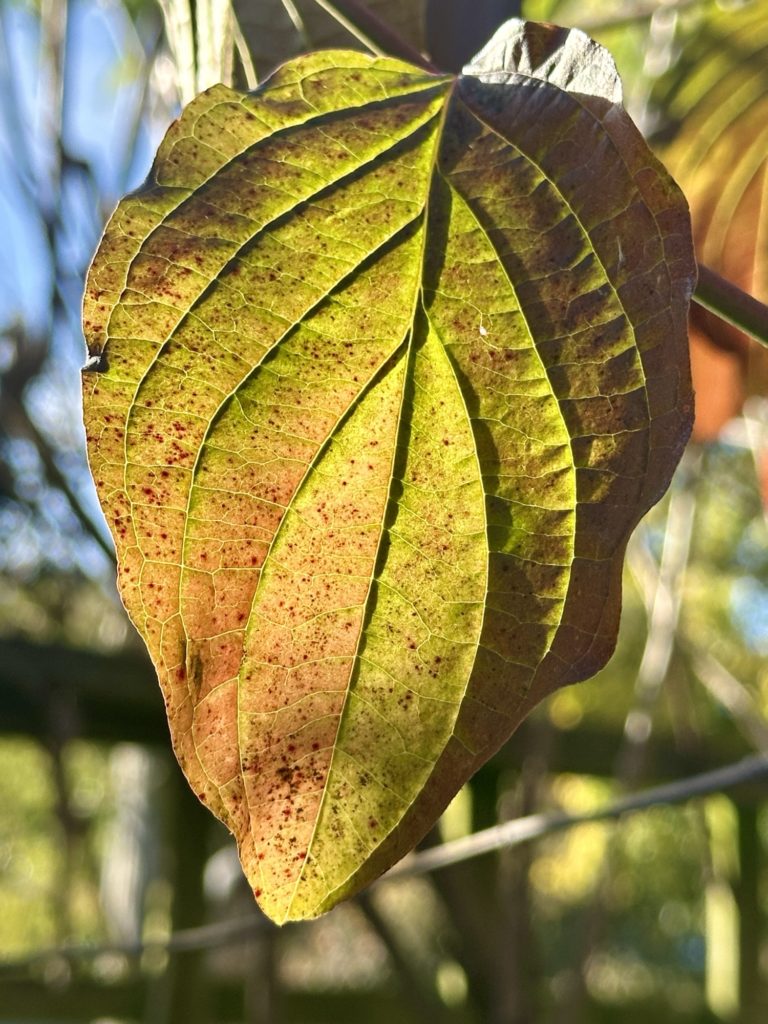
732 304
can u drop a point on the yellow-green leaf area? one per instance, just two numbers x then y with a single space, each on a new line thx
390 364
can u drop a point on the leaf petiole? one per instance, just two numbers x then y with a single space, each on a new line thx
731 304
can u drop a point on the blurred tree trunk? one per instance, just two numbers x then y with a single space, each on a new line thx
514 1000
183 991
752 1002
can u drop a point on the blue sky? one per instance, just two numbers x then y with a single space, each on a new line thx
102 91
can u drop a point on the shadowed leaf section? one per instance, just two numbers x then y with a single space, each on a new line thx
393 363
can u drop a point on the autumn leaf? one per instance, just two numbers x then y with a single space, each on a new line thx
391 365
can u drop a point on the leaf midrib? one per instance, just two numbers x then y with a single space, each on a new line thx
396 448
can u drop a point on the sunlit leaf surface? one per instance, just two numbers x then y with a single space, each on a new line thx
390 365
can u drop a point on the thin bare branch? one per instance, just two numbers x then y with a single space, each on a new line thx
244 54
372 32
733 695
55 475
419 995
523 830
510 834
296 20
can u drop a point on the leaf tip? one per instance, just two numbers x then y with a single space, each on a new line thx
564 57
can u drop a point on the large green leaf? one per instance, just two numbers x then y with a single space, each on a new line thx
390 366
